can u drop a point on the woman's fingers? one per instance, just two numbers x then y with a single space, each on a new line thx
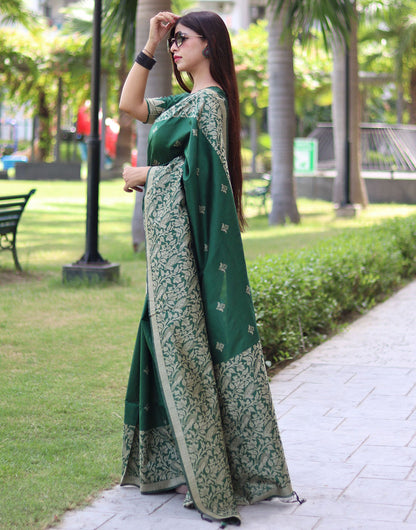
161 23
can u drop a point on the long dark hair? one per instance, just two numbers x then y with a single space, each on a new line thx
211 26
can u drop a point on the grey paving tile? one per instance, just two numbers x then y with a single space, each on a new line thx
342 524
297 420
399 456
383 471
347 510
87 519
412 416
322 373
281 522
128 499
394 386
134 522
382 407
376 426
330 393
412 474
379 491
309 492
322 474
412 392
321 447
412 517
281 389
174 510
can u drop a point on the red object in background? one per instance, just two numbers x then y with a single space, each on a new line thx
84 120
112 129
134 157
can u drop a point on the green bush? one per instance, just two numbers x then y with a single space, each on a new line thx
300 297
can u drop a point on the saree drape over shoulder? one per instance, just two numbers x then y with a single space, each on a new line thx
198 404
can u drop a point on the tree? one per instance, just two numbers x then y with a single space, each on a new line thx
290 19
14 12
250 56
395 25
30 74
349 187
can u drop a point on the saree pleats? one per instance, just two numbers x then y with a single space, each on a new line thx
198 404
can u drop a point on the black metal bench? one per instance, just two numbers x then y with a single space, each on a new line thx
260 191
11 209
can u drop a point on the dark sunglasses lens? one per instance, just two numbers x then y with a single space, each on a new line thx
179 40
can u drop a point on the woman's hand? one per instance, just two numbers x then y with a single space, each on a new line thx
134 178
160 25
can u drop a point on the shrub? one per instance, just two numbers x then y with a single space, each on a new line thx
300 297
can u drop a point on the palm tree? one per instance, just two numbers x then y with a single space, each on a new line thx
15 12
290 19
396 23
159 84
349 188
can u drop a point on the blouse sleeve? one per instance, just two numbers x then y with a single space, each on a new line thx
156 106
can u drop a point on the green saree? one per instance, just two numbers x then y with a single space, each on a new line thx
198 405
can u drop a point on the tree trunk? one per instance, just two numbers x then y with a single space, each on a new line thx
159 84
281 117
352 170
412 90
125 135
45 137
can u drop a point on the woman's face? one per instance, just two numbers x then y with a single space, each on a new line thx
188 56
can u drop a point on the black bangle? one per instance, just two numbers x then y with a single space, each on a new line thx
144 60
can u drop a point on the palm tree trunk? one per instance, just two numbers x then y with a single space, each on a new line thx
357 190
159 84
339 118
125 135
412 90
281 115
45 137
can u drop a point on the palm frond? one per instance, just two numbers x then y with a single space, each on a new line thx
120 18
302 16
15 12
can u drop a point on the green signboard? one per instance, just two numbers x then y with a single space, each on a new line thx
305 156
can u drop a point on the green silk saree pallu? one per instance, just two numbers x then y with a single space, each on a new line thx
198 404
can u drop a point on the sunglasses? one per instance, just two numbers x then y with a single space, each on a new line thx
180 38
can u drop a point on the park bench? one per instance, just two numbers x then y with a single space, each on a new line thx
11 209
260 191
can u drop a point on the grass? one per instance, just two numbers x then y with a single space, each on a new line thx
66 350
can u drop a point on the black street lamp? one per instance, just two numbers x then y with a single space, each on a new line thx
92 265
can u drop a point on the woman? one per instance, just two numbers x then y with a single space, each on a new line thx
198 406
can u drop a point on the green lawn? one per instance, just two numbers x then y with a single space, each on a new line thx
66 350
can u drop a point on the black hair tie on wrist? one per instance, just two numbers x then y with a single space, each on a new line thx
144 60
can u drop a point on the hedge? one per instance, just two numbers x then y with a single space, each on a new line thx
300 297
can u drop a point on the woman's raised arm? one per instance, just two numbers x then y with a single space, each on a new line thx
132 96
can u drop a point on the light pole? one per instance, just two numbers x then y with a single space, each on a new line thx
92 265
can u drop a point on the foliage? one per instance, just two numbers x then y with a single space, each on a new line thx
388 45
250 50
302 296
29 75
302 17
14 11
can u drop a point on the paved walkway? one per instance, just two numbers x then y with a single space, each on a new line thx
347 415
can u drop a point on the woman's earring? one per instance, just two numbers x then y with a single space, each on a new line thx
205 52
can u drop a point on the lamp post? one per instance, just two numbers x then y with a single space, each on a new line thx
92 265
